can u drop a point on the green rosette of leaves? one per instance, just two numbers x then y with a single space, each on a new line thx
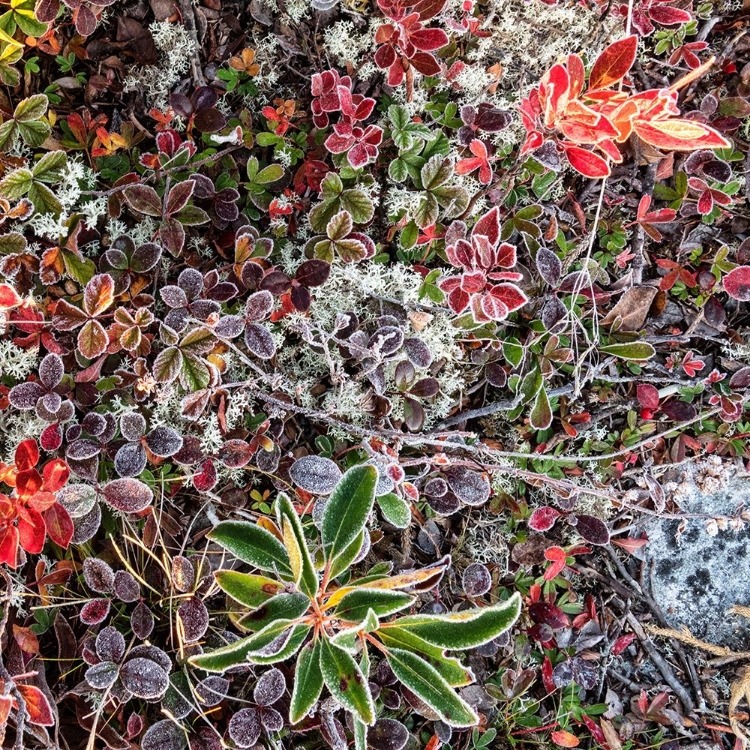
296 606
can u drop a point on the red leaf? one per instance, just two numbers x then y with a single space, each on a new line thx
549 684
557 556
31 531
666 15
428 40
55 473
59 525
9 545
630 544
8 297
613 63
648 396
565 739
95 611
37 705
51 437
543 519
622 643
27 455
587 162
737 283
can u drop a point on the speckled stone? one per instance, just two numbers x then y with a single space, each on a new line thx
697 577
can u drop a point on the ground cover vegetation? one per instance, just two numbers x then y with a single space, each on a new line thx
347 349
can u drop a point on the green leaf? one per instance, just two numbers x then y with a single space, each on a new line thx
236 653
346 511
270 174
437 171
339 226
427 684
345 559
397 170
167 365
355 605
308 682
540 416
12 242
16 184
268 139
289 649
358 204
288 519
468 628
194 375
395 510
632 350
31 108
252 544
331 186
450 668
33 133
247 588
50 167
81 270
8 134
345 681
427 211
44 200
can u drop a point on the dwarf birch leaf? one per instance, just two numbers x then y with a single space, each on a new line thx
347 509
252 544
427 684
465 629
345 681
308 682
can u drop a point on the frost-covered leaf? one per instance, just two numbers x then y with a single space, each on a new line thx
102 675
259 341
259 306
212 690
315 474
270 687
126 588
245 727
144 678
476 580
183 574
98 575
128 495
193 615
163 442
95 611
132 426
164 735
469 486
549 266
130 460
142 621
592 529
110 644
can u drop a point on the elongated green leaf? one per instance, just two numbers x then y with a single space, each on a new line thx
16 184
345 681
395 510
348 638
247 588
285 512
450 668
50 167
252 544
282 606
347 509
466 629
631 350
308 682
296 639
427 684
354 606
345 559
44 200
540 416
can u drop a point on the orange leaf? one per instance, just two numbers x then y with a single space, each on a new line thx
37 705
613 63
679 135
8 297
26 639
565 739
